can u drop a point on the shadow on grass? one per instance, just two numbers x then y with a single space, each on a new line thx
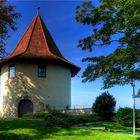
12 136
34 129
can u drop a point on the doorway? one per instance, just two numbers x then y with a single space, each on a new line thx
24 106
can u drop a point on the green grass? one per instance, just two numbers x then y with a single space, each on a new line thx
35 130
113 127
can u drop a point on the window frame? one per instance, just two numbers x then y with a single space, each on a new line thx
39 67
11 65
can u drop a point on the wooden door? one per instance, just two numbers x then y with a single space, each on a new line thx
24 106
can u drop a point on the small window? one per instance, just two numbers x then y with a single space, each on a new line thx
11 71
42 71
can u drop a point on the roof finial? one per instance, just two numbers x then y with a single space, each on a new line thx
38 11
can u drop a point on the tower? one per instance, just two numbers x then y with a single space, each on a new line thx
35 74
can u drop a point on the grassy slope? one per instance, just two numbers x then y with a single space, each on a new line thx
114 127
34 129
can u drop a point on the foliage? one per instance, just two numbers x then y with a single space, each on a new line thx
116 68
104 106
112 21
56 121
8 18
78 119
36 115
109 18
55 118
33 129
125 118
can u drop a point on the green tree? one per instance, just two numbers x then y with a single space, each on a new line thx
8 17
112 21
124 117
104 106
112 17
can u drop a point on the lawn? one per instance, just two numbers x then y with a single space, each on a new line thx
35 130
112 127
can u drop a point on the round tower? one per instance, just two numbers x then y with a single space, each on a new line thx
35 75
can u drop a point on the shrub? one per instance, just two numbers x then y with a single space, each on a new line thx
124 116
57 113
77 119
36 115
52 121
104 106
56 118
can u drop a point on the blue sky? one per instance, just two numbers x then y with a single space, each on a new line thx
59 17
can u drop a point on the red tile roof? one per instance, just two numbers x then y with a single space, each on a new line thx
37 43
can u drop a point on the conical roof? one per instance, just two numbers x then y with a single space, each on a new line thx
37 43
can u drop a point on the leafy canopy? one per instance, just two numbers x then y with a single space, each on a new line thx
8 17
112 21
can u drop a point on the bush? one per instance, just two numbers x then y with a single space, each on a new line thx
124 116
55 118
57 113
36 115
104 107
52 121
78 119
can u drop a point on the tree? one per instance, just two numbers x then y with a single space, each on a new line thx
104 106
8 17
123 116
119 68
108 19
112 21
